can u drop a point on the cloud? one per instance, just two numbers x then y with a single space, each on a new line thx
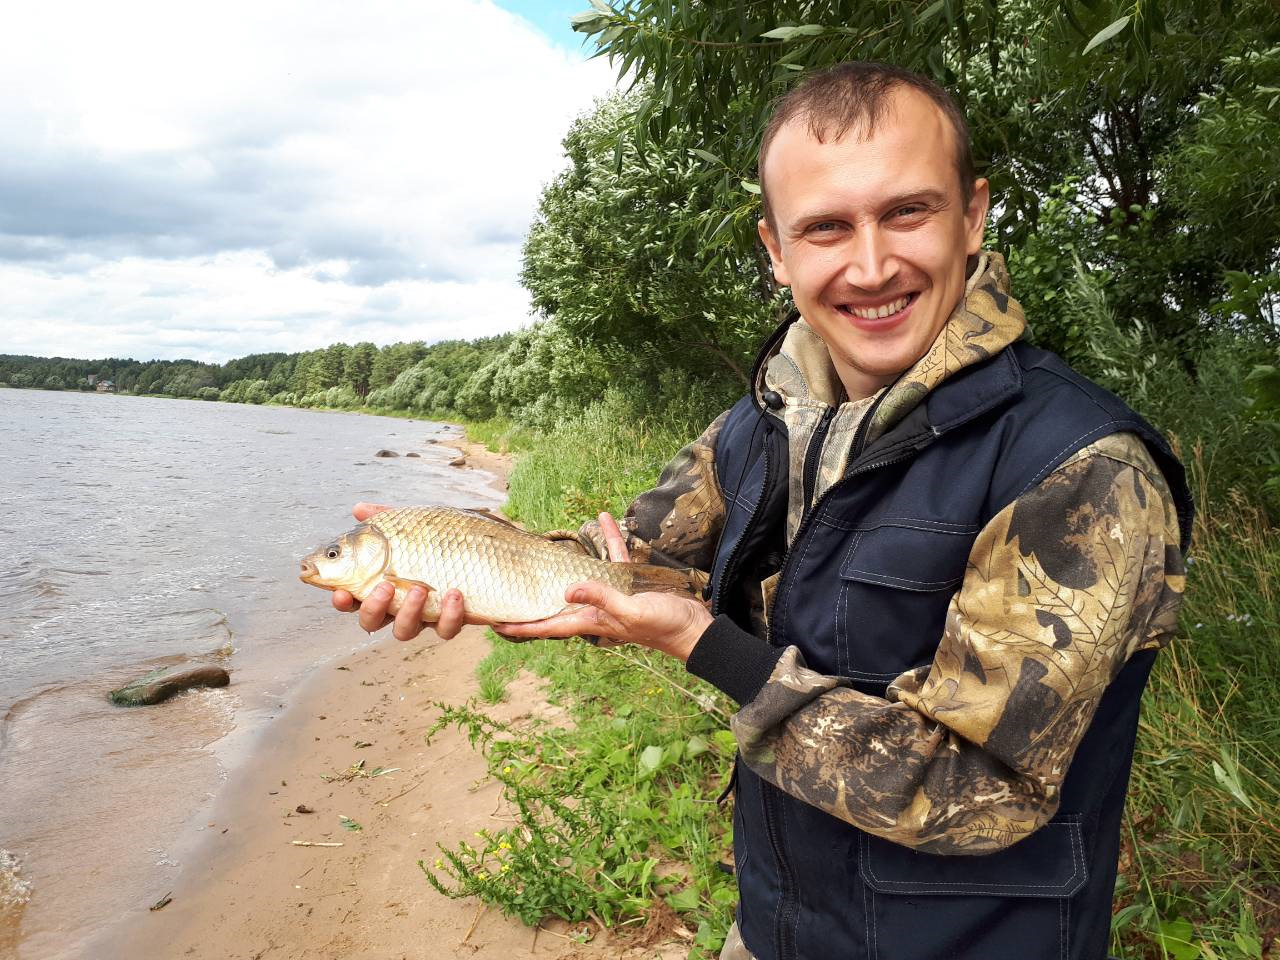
164 165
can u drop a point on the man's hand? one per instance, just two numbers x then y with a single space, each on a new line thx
661 621
408 620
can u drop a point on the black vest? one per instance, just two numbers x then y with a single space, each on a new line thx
863 594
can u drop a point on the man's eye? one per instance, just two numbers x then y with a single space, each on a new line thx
910 210
826 226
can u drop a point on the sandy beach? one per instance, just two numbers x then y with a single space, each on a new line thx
251 889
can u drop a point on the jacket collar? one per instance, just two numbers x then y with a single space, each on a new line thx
986 320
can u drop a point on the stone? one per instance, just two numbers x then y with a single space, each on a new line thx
386 453
458 462
411 454
158 686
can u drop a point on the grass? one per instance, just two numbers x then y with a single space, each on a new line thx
617 816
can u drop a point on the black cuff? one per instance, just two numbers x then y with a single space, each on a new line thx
737 662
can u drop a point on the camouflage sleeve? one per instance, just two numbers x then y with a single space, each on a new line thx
675 524
968 754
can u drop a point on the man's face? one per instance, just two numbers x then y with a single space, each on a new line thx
872 236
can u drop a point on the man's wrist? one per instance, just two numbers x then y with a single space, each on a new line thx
737 662
682 646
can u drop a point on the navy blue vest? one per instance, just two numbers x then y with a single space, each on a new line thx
863 593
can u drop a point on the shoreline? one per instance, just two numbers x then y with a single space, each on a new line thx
246 890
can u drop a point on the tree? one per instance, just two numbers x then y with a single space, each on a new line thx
1102 95
616 254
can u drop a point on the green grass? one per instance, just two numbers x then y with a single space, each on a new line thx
619 812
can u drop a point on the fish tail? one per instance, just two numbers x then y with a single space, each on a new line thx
651 578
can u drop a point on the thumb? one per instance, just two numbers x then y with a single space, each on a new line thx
599 595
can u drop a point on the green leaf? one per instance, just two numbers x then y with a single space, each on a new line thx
686 900
725 740
602 6
696 747
706 155
1107 32
931 11
1175 937
779 33
750 187
1229 780
349 824
650 759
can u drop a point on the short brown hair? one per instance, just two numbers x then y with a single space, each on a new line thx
856 95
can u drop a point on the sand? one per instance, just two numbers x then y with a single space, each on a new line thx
249 891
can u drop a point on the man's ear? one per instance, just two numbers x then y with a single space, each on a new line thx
770 241
975 216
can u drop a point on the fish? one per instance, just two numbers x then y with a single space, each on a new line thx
505 574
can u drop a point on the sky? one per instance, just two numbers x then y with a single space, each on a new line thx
207 181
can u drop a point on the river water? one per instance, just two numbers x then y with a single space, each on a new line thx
137 533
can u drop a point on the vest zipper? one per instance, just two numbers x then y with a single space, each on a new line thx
718 592
813 455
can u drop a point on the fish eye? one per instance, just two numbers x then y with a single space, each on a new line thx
333 552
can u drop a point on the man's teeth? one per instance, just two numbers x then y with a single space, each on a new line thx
876 313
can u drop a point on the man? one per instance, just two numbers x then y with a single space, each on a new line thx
940 564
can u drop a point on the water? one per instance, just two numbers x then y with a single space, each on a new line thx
138 532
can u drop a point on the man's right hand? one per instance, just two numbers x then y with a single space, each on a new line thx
408 622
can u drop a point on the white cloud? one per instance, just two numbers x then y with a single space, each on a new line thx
209 181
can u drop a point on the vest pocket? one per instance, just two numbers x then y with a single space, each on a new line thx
1013 903
896 580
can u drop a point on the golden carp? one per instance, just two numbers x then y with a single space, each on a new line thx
506 575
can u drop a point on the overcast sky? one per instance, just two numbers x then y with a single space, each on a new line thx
211 180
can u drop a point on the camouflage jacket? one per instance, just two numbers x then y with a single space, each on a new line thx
1074 576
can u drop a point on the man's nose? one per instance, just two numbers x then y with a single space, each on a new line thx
870 264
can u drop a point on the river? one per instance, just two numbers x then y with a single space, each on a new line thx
141 532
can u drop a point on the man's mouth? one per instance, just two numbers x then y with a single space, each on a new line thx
879 312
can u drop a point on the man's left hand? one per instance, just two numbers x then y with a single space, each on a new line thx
661 621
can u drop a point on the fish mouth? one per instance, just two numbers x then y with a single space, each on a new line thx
310 574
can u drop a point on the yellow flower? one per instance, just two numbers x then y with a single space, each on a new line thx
504 845
439 864
505 868
507 768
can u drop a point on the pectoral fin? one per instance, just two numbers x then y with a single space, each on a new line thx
430 608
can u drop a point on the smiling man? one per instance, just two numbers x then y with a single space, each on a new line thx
939 562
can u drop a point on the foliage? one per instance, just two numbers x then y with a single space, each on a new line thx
613 814
616 253
1159 115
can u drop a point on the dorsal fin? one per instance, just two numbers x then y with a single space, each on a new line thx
488 514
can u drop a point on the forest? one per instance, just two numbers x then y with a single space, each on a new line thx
1136 195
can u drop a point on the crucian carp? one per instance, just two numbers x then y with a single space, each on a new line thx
505 574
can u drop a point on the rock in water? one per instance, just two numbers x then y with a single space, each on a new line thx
158 686
458 462
386 453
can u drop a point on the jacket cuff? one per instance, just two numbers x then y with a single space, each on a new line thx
737 662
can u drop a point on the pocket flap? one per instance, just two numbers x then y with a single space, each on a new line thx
923 556
1049 863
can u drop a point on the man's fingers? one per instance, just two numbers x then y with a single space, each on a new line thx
363 511
373 611
453 615
408 622
600 595
614 541
343 601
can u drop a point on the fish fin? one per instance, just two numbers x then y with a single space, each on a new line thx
403 583
651 578
490 515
